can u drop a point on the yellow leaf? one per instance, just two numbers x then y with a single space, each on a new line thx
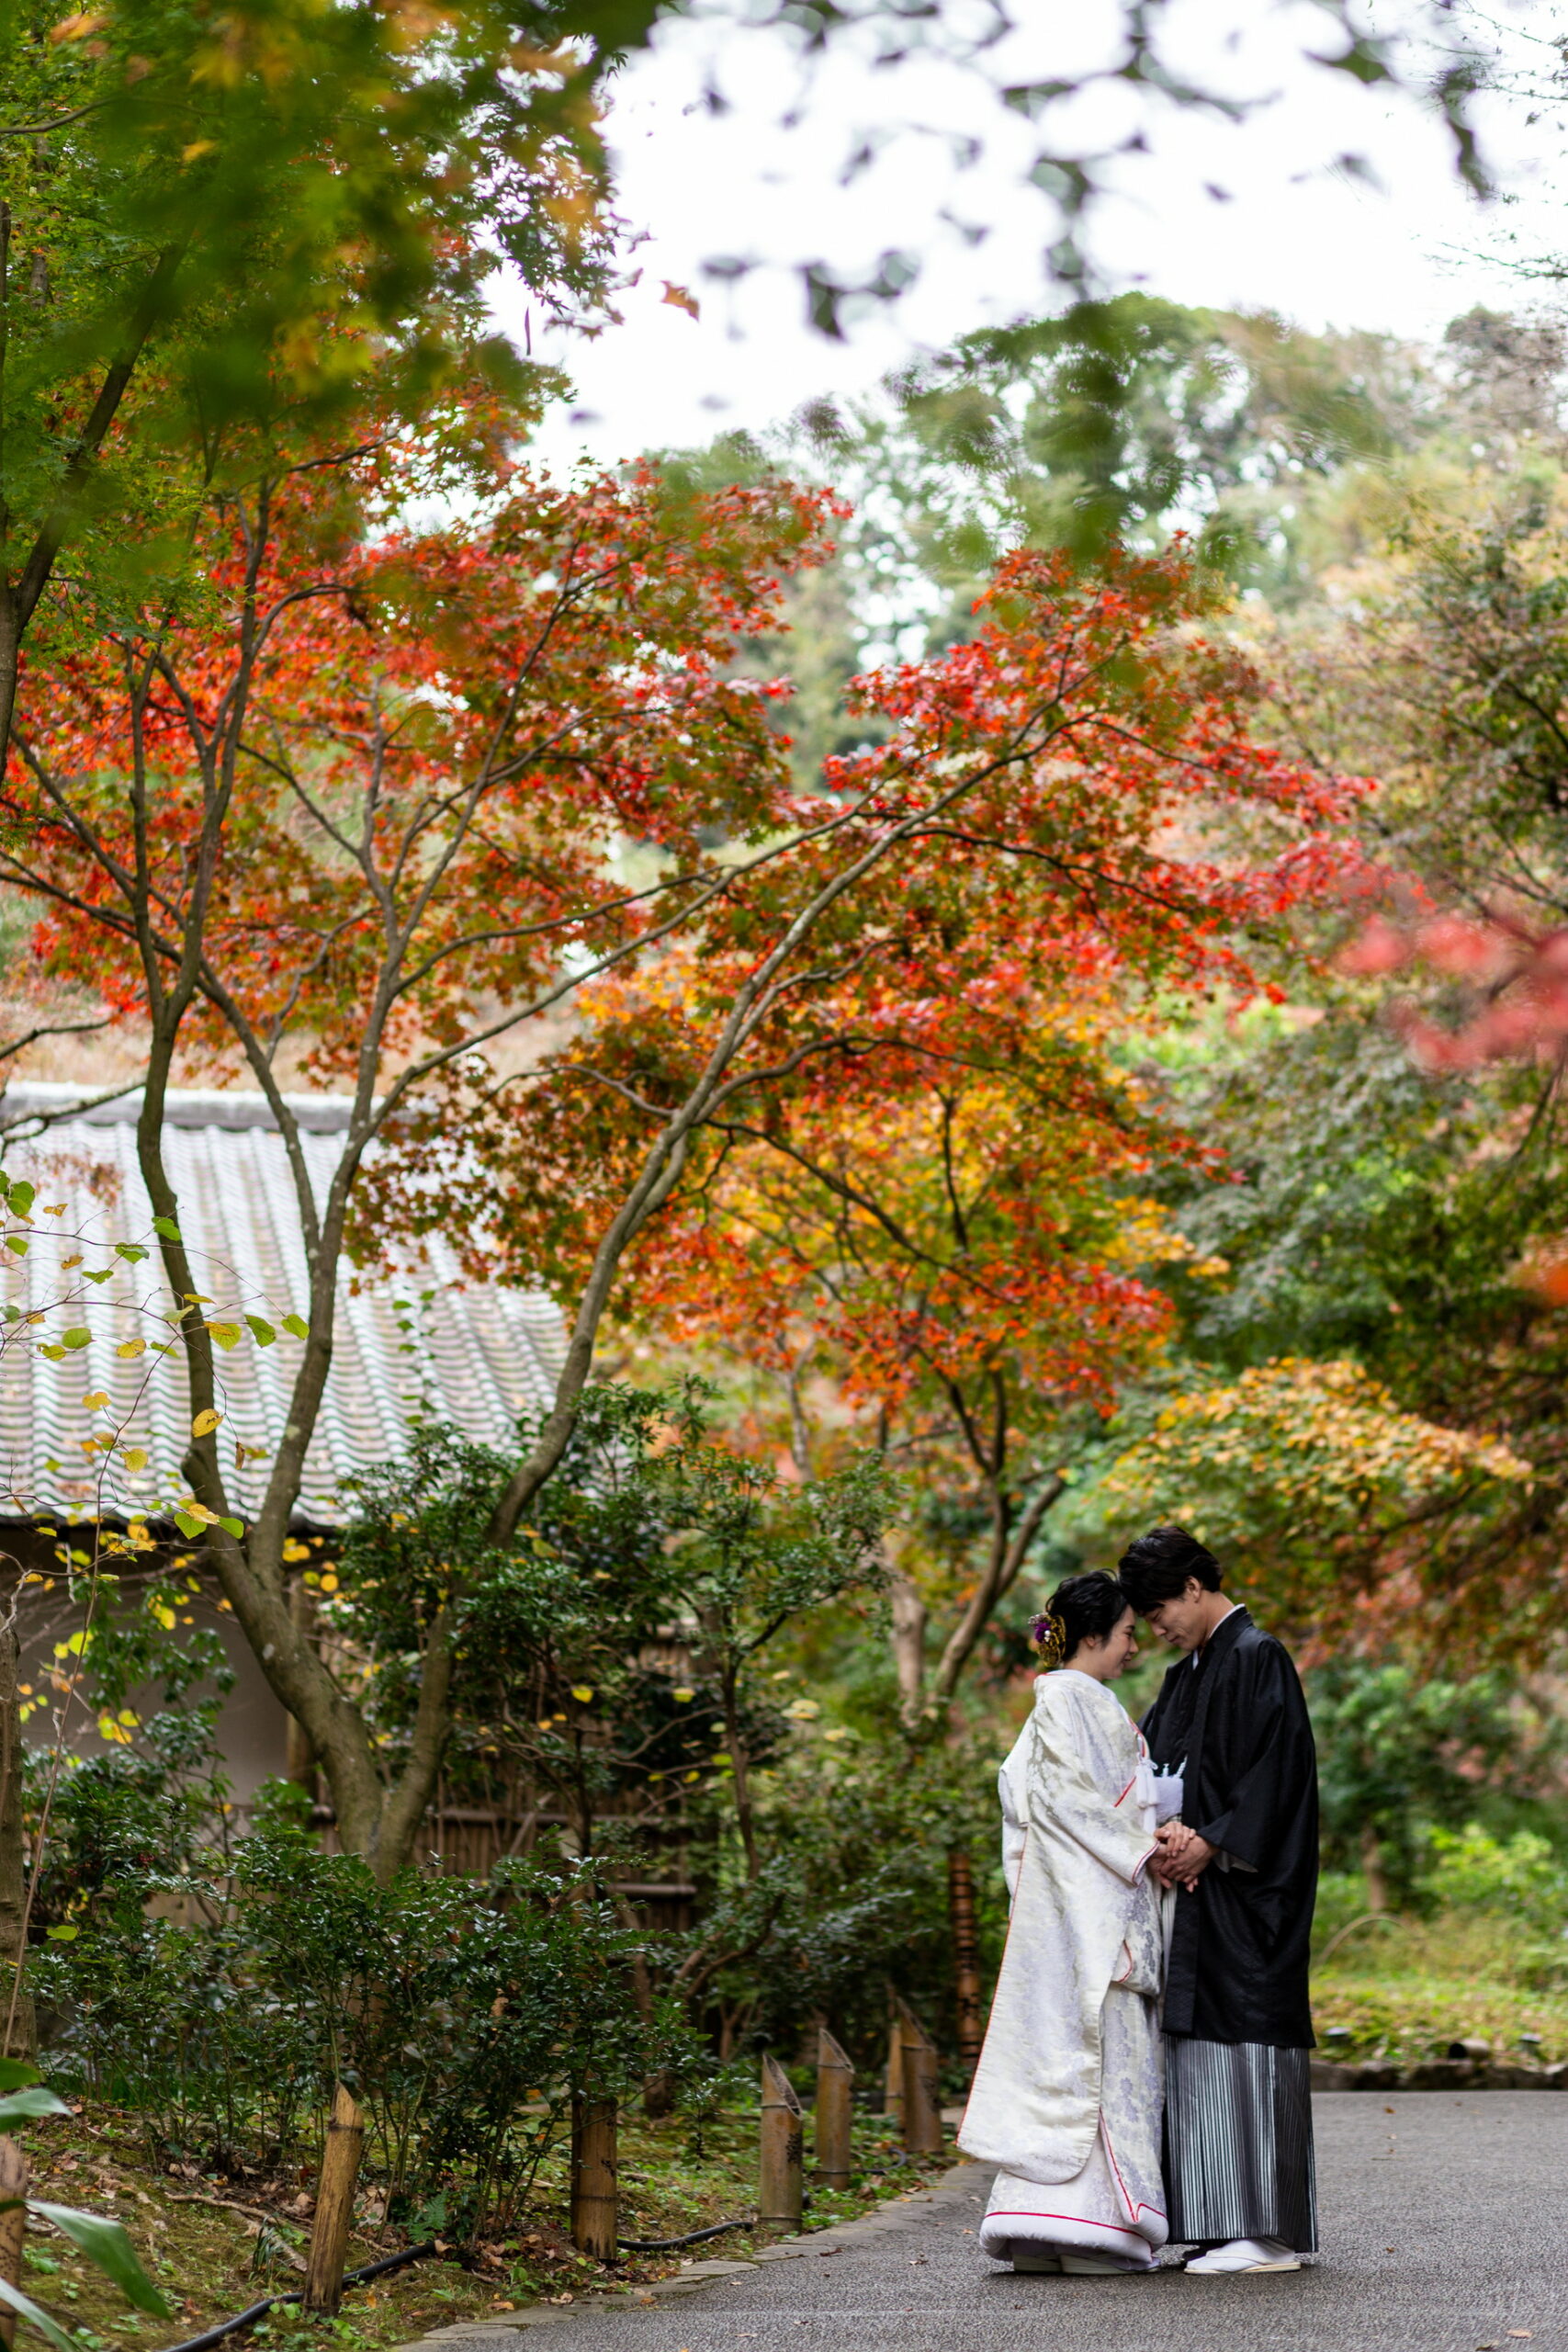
128 1348
581 1691
95 1402
329 1583
205 1423
135 1457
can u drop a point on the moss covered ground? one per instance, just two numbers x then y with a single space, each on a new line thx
1405 1988
215 2245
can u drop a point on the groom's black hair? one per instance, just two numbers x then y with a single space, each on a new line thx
1156 1565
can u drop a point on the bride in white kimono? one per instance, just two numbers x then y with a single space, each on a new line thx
1067 2094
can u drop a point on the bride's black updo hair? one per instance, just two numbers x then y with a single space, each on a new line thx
1086 1609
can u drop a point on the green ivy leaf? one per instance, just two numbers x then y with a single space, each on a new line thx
297 1327
77 1336
26 2105
189 1528
167 1228
17 1242
261 1330
63 1935
234 1527
132 1250
21 1198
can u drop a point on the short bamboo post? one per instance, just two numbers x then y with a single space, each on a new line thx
965 1956
13 2228
893 2093
922 2108
334 2204
596 2212
779 2186
835 2079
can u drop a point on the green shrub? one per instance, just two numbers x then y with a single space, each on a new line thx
462 2013
1470 1869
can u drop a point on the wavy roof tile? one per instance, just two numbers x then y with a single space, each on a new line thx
476 1357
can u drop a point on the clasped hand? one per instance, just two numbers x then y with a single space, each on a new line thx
1183 1856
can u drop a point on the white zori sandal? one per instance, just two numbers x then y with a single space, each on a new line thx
1243 2254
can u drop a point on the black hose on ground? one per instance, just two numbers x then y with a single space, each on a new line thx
227 2327
651 2245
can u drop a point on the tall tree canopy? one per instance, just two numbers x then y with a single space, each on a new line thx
373 805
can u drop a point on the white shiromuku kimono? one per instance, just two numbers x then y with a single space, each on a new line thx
1067 2094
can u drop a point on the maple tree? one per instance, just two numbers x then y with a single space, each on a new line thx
924 1177
948 1227
380 799
1304 1476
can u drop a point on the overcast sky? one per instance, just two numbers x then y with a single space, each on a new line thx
1294 228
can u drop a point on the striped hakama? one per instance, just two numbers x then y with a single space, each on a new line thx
1238 2146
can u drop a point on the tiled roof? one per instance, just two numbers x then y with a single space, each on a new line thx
476 1357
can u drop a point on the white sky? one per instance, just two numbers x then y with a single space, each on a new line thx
1299 233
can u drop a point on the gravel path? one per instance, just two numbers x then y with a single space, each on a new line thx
1445 2228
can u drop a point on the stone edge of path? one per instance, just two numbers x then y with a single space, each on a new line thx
1438 2075
897 2214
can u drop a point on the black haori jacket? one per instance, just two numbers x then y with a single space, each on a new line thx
1237 1722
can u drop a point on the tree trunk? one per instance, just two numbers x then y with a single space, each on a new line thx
299 1753
908 1646
20 2039
1009 1548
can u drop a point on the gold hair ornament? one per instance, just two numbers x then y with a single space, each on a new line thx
1050 1640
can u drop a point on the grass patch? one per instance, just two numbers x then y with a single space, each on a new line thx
1403 1989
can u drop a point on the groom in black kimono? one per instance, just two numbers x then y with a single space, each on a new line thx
1232 1722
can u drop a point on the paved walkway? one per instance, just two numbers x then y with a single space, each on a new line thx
1445 2228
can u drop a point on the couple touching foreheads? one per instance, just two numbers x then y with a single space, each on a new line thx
1156 1969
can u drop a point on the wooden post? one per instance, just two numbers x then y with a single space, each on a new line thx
835 2079
779 2186
965 1956
334 2204
893 2093
922 2108
595 2207
13 2229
